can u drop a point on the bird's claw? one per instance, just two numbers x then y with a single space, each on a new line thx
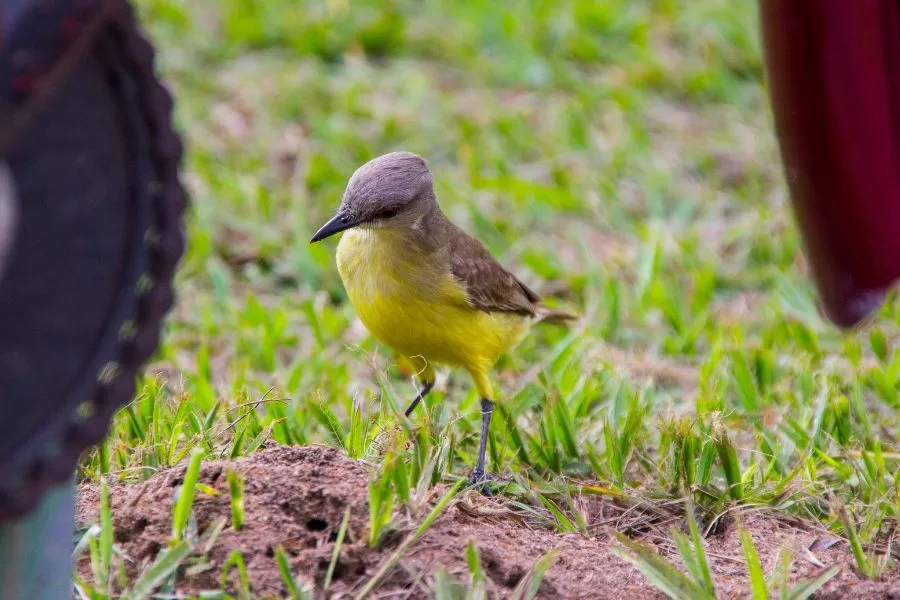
479 482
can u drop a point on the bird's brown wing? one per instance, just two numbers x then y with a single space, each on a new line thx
489 286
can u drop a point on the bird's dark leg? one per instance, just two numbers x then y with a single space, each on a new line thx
478 475
426 387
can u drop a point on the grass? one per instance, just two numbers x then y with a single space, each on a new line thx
697 584
618 155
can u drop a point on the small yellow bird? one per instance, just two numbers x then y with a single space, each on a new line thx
422 285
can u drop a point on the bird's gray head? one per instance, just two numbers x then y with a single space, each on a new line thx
394 189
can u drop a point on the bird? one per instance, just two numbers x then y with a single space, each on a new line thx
423 286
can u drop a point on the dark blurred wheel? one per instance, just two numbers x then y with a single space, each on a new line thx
9 208
91 213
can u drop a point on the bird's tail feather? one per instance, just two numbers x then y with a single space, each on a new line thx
545 314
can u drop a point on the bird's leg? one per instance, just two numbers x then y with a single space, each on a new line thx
478 475
426 387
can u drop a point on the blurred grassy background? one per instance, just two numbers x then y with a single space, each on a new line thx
618 154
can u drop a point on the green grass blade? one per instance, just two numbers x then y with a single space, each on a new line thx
515 436
473 560
754 566
236 493
330 422
683 544
388 564
260 438
439 508
528 587
381 507
164 566
210 536
565 428
174 439
355 445
563 523
613 454
730 465
401 480
707 458
807 588
446 586
236 559
103 456
284 567
665 576
84 540
336 552
863 562
106 534
780 578
182 510
700 552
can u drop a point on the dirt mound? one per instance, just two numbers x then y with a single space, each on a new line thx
296 497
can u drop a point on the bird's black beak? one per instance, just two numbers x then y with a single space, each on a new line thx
337 224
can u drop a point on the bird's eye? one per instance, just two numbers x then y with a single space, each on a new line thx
388 214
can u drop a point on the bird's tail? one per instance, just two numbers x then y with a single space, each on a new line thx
545 314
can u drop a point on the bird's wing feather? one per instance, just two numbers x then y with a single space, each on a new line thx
488 285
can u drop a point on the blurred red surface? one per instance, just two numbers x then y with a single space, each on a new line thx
834 81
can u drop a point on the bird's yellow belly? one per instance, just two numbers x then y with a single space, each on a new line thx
417 308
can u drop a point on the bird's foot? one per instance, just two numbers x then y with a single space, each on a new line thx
479 482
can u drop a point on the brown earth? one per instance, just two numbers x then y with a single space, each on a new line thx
296 497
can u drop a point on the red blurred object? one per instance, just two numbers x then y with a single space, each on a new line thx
834 79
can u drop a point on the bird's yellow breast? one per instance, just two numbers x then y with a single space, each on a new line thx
411 302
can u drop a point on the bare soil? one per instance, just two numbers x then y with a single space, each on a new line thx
296 497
